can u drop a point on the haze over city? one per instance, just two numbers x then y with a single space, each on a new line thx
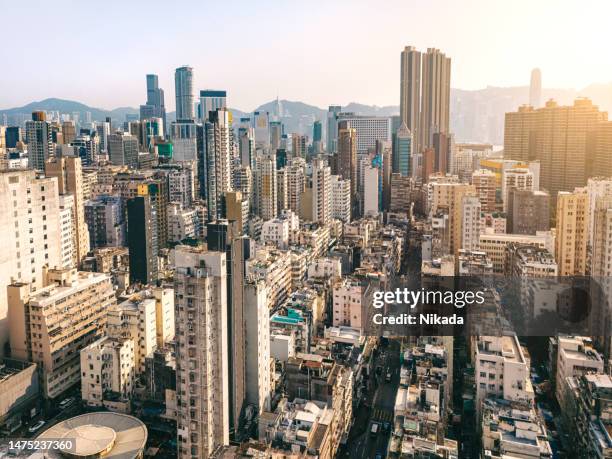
317 52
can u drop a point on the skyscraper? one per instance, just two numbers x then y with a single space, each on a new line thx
155 106
410 90
435 96
317 136
202 370
299 145
572 237
123 149
261 125
218 157
425 94
211 100
535 89
266 187
38 138
276 134
183 86
346 161
321 192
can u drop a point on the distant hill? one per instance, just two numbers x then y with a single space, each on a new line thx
70 106
476 116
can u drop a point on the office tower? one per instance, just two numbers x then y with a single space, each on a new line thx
299 146
266 187
535 89
341 198
217 162
528 211
346 161
38 138
155 106
183 87
371 191
557 136
210 101
151 130
470 222
224 236
68 132
435 96
410 91
518 178
257 352
261 125
572 232
369 129
142 239
321 191
184 140
276 134
332 128
51 325
105 221
403 151
599 147
202 373
31 239
13 136
123 149
485 183
69 176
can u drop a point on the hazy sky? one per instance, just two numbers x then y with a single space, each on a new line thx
319 52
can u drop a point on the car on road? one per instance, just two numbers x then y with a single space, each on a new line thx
388 377
386 427
33 428
66 402
374 429
378 455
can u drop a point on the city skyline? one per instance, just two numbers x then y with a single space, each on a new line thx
366 72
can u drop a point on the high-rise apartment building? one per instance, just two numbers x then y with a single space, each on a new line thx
599 148
51 325
183 87
257 349
346 158
265 187
321 192
210 101
341 198
518 178
601 233
572 232
123 149
106 222
143 239
410 91
299 146
485 183
261 126
528 211
218 158
295 181
276 135
39 140
69 174
202 373
557 136
435 96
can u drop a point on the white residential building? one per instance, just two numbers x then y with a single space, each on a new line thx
347 299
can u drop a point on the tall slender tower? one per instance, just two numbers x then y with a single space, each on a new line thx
218 157
346 161
183 86
202 372
435 96
410 89
535 89
38 138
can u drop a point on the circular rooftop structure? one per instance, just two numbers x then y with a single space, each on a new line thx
98 435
